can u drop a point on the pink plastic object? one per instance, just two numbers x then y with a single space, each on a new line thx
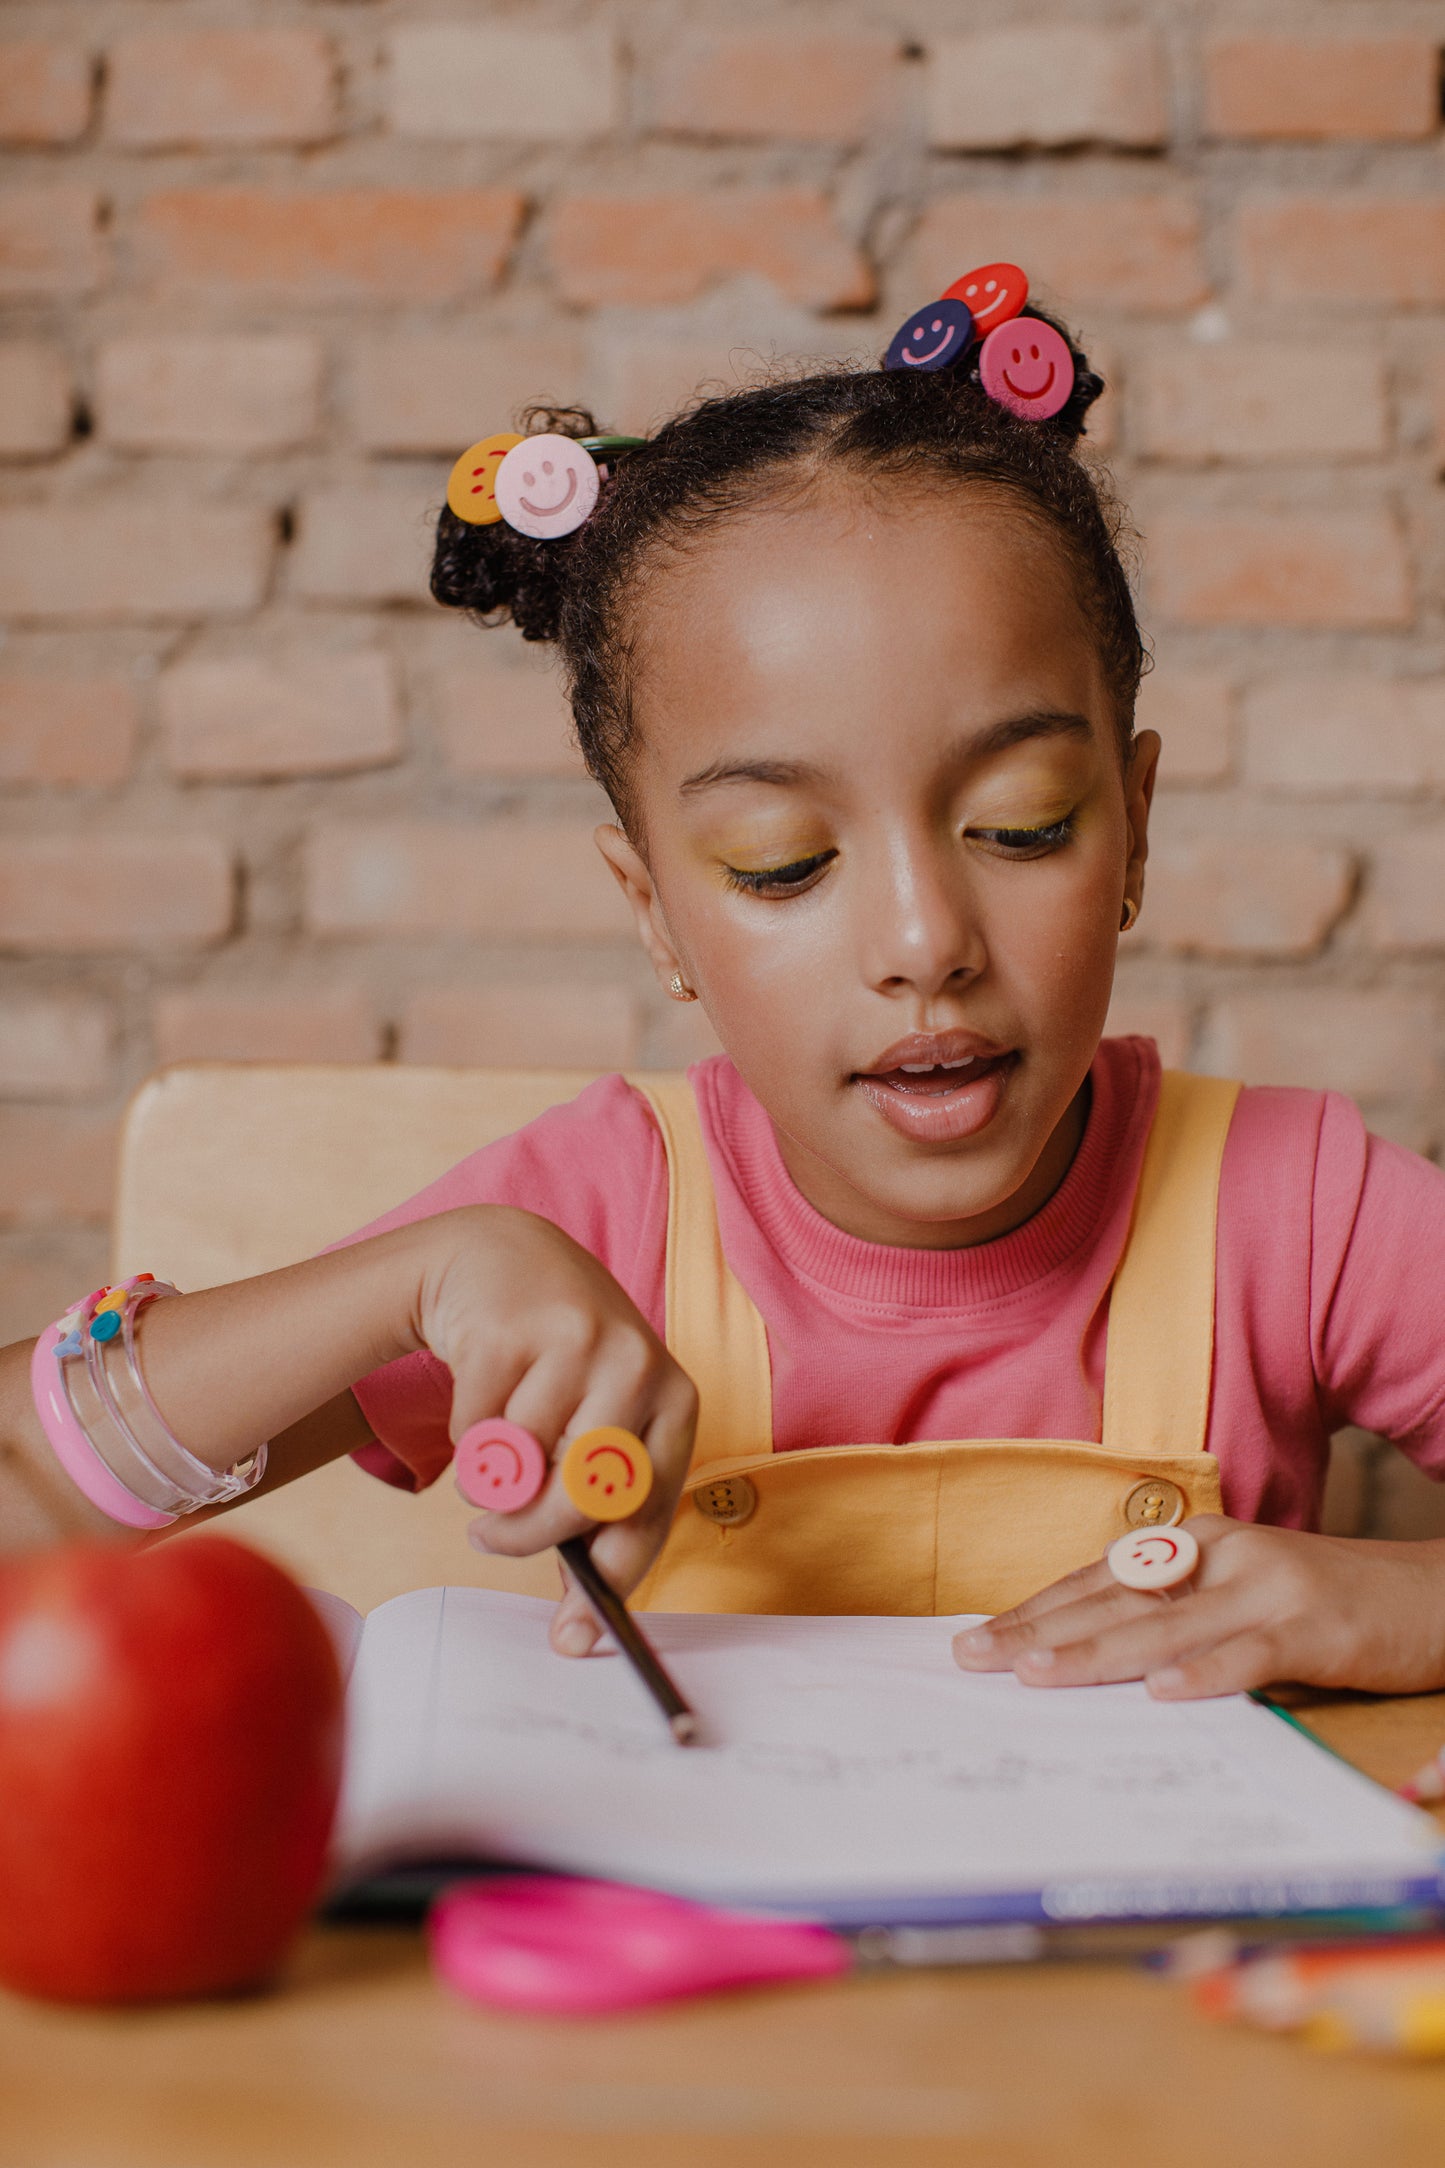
546 486
1027 367
548 1942
73 1449
500 1466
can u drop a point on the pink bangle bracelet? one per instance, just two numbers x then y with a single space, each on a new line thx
107 1432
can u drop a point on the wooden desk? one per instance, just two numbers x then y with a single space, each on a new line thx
358 2061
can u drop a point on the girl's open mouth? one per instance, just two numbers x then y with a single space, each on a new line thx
938 1089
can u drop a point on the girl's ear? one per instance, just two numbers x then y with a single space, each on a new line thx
1139 774
636 883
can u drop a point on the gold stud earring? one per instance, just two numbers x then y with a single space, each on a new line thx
1131 913
679 989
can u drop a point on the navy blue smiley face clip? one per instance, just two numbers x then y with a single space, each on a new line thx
934 338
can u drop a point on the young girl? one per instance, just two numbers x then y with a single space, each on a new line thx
950 1293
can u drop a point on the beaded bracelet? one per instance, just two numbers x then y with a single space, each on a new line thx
108 1434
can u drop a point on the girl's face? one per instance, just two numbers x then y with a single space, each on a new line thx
889 837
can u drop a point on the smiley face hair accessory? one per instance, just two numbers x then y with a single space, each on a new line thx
543 486
977 325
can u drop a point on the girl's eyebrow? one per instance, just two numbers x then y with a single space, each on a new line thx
997 738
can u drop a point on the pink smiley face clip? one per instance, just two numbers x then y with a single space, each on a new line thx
1026 366
546 486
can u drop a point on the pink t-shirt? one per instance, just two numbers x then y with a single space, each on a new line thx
1331 1265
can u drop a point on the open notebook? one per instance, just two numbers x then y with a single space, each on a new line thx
851 1772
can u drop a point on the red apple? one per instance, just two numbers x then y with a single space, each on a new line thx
170 1753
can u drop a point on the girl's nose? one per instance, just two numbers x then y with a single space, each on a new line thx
920 931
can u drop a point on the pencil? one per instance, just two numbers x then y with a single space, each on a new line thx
628 1635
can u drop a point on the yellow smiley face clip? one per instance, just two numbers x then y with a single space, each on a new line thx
472 484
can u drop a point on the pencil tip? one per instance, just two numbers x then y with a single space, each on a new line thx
683 1728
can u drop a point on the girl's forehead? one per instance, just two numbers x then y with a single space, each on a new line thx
950 601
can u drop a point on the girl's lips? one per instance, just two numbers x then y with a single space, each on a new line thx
939 1105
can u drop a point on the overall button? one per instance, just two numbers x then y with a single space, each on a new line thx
1157 1504
729 1500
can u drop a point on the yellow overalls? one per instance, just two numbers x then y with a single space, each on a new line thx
973 1524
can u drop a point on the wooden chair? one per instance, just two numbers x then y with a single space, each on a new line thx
232 1169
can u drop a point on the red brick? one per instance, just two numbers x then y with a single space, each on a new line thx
175 86
296 715
1435 378
1193 712
56 1165
1332 1038
104 894
41 1273
1165 1020
672 247
465 80
1259 400
581 1026
505 713
805 86
1332 734
1137 251
50 243
45 90
124 559
67 730
1212 896
1314 88
1279 568
35 399
494 880
255 394
353 244
1404 906
437 392
1362 250
219 1025
1059 83
54 1046
365 545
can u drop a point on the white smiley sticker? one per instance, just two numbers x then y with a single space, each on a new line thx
546 486
1153 1558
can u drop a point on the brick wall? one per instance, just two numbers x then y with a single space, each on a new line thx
268 267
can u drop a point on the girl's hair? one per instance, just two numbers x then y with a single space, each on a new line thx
727 456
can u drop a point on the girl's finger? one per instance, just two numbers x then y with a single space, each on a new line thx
575 1629
999 1645
1232 1666
1172 1631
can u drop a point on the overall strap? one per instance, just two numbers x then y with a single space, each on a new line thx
1160 1357
713 1326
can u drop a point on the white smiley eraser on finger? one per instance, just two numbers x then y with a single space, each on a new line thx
546 486
1151 1558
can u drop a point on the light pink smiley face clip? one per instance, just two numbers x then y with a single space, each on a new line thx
1025 365
546 486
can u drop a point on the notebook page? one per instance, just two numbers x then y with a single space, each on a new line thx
850 1769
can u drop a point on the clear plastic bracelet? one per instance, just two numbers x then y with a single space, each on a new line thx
108 1433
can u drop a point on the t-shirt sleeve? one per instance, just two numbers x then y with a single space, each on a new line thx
1377 1293
596 1168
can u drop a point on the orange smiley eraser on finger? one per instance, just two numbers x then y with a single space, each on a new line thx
472 484
607 1473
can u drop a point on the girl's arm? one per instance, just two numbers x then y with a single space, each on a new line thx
530 1325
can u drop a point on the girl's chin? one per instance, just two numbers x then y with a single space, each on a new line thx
928 1115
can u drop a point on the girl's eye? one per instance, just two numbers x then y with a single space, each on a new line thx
1026 842
780 880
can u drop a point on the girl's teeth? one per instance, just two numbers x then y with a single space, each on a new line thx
926 1068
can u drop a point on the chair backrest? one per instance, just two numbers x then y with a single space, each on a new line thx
229 1169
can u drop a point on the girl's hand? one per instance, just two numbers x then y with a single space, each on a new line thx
533 1328
1264 1604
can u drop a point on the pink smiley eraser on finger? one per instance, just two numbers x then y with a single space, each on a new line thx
500 1466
